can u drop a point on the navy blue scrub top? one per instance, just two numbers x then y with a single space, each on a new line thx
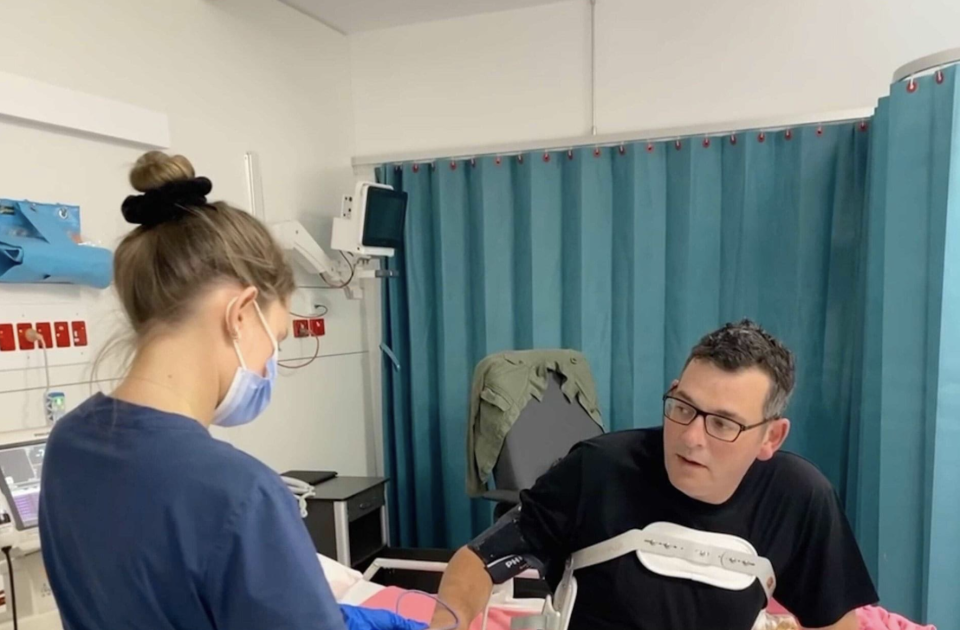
147 521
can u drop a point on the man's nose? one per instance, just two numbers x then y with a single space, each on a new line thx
695 433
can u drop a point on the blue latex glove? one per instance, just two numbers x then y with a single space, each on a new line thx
366 619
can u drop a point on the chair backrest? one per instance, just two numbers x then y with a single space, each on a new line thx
543 434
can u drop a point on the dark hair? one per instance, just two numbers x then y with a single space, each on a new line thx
745 344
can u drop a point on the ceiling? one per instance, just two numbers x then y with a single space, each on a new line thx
352 16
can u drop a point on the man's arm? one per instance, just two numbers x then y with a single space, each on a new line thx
825 577
465 588
497 555
529 536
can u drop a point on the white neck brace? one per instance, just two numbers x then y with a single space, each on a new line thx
720 560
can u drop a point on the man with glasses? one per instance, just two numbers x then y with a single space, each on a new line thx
714 466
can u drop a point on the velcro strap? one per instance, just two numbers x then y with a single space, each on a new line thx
549 619
536 622
637 540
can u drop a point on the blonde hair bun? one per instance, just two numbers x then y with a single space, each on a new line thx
155 168
184 245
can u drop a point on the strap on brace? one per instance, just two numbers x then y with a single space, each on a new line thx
696 553
635 541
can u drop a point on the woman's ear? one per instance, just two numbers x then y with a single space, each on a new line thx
237 311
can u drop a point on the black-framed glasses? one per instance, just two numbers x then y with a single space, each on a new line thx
719 427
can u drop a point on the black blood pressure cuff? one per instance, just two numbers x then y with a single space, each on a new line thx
504 550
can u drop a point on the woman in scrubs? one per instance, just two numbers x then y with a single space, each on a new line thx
146 520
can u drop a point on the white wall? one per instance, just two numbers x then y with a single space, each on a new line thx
233 75
499 77
238 75
524 75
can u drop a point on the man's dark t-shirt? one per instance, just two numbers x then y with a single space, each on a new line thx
785 507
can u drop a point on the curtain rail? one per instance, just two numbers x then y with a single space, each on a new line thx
925 64
612 139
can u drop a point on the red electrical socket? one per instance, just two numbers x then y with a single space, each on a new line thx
45 330
8 340
317 327
61 334
25 344
301 328
79 333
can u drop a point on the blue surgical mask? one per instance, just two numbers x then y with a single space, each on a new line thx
249 393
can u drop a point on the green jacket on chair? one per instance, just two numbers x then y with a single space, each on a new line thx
503 384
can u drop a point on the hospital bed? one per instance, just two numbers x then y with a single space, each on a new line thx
353 588
356 589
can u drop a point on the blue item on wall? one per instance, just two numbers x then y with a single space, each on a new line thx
36 247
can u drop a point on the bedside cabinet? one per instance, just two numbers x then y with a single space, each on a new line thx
347 519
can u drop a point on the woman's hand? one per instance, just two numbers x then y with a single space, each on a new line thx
368 619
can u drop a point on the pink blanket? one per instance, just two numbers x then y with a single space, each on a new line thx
876 618
420 608
870 618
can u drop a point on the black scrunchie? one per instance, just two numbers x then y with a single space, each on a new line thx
167 202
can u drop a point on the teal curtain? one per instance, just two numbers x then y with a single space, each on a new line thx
629 254
842 239
905 468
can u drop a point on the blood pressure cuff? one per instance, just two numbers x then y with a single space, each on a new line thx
504 550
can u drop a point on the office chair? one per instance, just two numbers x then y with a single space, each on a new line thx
542 435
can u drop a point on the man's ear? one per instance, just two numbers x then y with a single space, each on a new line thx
674 384
774 437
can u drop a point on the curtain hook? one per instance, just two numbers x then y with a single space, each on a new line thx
453 165
911 86
761 137
546 156
940 77
520 158
416 168
596 152
733 138
678 144
473 162
820 130
863 125
622 150
649 147
788 134
498 161
569 154
706 142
